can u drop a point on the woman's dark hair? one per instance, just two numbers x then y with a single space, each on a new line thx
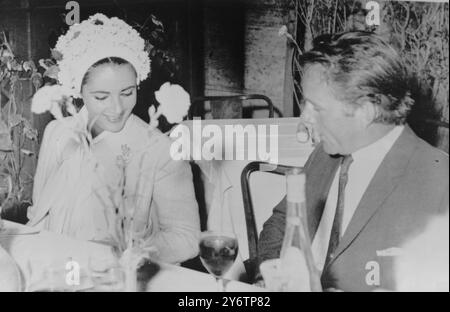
106 60
78 102
361 65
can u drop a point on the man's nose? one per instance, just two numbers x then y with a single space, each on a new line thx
308 114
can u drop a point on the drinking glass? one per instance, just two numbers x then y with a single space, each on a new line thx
106 275
218 251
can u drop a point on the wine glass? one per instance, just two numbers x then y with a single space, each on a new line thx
106 274
218 251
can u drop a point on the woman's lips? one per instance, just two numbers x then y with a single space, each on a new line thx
114 119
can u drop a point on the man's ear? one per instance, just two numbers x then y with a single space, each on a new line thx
366 112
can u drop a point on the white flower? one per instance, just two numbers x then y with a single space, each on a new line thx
48 98
42 99
94 39
43 64
6 53
153 117
52 72
174 102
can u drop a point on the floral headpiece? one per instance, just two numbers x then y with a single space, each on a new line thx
83 45
94 39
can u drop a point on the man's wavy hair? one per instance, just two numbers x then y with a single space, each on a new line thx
362 66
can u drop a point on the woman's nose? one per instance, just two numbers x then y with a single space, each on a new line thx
117 106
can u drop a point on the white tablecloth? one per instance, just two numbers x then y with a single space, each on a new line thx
34 252
10 279
175 278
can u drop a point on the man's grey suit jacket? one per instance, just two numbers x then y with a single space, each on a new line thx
409 187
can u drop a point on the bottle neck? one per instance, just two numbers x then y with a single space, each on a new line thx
295 187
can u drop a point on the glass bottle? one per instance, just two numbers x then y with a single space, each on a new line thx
296 254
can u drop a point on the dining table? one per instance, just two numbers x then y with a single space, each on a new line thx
36 252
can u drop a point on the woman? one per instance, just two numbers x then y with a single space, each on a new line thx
80 178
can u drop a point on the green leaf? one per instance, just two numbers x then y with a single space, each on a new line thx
27 152
28 66
5 184
156 21
56 55
5 137
46 63
30 132
52 72
15 65
37 80
5 143
3 127
15 120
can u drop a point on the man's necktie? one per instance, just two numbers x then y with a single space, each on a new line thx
336 228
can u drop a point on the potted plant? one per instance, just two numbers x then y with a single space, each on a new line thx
17 135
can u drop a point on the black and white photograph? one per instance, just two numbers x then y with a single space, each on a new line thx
248 147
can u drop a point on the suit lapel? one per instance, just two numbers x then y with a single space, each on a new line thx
385 180
319 179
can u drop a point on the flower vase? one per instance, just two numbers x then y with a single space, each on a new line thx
129 264
130 278
131 260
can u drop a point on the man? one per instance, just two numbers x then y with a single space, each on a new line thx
371 183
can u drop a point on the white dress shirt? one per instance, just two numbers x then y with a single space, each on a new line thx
365 163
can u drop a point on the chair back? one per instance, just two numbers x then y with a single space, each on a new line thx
231 106
250 218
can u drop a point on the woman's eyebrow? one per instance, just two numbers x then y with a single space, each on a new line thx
127 88
103 92
106 92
